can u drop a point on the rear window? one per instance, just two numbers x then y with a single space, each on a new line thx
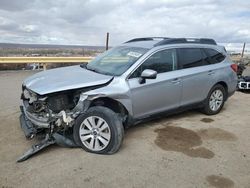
214 56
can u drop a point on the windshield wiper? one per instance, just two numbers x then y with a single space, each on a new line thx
92 69
84 65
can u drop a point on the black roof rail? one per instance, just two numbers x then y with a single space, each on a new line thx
146 39
186 40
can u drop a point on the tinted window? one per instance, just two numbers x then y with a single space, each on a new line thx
214 56
191 57
162 61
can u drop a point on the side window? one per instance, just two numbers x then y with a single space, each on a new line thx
214 56
191 57
162 61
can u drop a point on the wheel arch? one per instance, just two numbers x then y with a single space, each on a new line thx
112 104
224 84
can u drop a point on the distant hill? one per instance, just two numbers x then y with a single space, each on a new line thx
48 46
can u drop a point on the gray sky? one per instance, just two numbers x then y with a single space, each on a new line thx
86 22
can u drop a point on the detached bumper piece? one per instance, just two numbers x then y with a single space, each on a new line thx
30 132
36 148
56 138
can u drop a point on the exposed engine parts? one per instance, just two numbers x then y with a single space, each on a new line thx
38 105
51 116
64 118
50 109
61 102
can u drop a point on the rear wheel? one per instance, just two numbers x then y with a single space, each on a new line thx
215 100
99 130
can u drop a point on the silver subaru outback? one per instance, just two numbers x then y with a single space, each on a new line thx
89 105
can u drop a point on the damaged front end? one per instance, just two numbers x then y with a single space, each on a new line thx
50 117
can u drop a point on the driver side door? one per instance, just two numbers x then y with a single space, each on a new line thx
160 94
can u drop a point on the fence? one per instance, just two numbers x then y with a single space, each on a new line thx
44 60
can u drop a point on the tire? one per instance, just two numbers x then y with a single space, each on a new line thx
214 103
105 137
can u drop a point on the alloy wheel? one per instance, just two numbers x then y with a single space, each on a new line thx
95 133
216 100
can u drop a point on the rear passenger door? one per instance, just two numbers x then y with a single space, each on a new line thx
195 72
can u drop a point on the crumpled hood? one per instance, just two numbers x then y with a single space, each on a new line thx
65 78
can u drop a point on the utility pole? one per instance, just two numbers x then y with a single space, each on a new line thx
243 50
107 41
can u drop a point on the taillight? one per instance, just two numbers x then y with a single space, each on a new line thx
234 67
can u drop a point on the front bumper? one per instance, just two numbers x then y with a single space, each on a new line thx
41 122
30 130
26 125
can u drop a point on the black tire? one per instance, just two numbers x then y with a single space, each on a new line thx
114 123
207 109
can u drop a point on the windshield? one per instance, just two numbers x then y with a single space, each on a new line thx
116 60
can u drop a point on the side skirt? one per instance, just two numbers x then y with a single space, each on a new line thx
166 113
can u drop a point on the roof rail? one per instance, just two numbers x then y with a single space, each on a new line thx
186 40
146 39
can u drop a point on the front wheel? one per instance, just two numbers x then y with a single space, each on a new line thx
99 130
215 100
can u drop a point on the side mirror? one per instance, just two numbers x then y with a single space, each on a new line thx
147 74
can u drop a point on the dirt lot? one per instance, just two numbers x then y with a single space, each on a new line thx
185 150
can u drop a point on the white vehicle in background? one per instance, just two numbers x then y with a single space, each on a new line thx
34 66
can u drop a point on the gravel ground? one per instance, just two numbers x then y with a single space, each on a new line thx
185 150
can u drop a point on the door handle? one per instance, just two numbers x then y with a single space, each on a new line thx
175 81
211 72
